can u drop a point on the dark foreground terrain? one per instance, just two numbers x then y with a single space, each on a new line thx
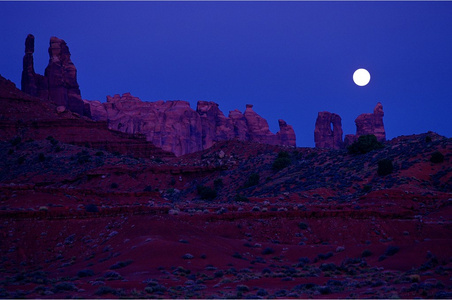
106 215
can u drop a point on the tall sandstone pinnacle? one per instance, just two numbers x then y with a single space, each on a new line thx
176 127
59 83
328 131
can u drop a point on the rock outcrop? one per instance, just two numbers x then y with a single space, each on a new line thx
176 127
328 128
372 123
369 123
59 83
328 131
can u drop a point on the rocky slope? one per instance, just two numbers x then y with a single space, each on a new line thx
25 117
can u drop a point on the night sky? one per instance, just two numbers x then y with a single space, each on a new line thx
290 59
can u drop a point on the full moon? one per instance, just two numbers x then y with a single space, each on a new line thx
361 77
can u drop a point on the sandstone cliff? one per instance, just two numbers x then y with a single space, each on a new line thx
59 84
176 127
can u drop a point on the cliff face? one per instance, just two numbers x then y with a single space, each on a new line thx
176 127
59 84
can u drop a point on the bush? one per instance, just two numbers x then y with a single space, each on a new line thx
21 160
16 141
206 193
281 163
367 188
218 183
91 208
41 157
99 153
428 139
114 185
103 290
267 251
364 144
385 167
437 157
148 188
391 250
240 198
85 273
303 226
252 180
120 264
366 253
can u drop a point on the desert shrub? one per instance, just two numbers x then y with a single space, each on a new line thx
437 157
64 286
112 275
267 251
99 153
367 188
364 144
114 185
21 160
104 290
121 264
325 256
41 157
83 157
242 288
391 250
206 193
428 139
240 198
91 208
303 226
218 183
282 161
385 167
16 141
173 181
148 188
252 180
366 253
85 273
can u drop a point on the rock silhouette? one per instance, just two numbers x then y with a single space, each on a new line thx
176 127
328 128
59 83
328 131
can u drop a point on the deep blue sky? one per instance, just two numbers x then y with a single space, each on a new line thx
290 59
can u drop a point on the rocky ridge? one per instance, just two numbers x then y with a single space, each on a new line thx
176 127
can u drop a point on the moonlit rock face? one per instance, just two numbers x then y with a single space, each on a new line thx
361 77
328 131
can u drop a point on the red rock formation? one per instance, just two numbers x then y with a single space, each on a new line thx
369 123
286 134
176 127
34 118
328 131
59 84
